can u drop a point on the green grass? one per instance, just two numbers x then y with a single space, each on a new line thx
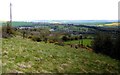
85 42
18 23
24 55
15 23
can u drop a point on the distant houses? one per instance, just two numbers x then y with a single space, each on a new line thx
51 30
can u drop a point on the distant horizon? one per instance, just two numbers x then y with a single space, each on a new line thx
66 20
63 22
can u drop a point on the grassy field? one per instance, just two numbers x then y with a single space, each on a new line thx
23 55
18 23
85 42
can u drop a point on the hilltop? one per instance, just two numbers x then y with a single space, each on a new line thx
24 55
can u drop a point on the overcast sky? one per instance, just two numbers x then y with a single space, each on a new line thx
59 10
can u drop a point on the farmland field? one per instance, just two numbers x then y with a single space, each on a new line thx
26 56
85 42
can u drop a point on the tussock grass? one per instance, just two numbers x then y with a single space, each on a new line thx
23 55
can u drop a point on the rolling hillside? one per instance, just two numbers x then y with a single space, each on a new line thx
23 55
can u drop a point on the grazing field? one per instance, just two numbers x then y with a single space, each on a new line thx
85 42
23 55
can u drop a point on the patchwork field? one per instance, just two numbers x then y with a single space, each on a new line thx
23 55
85 42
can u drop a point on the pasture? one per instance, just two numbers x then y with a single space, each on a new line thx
86 42
26 56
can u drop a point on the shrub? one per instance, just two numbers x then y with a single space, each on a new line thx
7 30
65 38
116 50
36 38
105 44
51 41
45 40
76 38
29 37
59 43
97 43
